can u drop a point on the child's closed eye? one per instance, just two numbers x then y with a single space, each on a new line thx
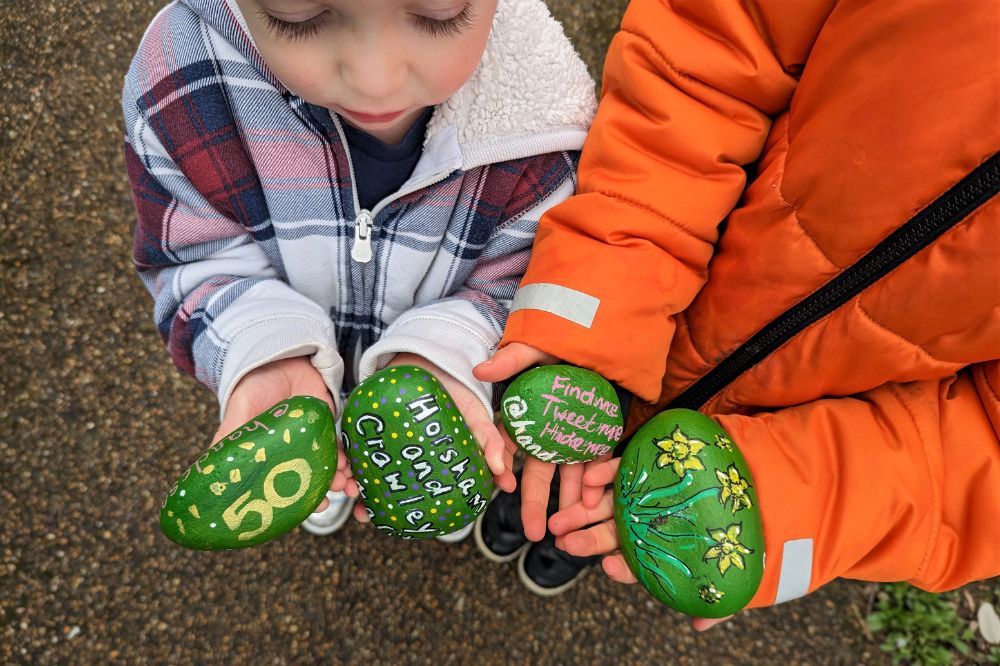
446 27
295 30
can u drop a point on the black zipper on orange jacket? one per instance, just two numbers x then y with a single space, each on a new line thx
917 233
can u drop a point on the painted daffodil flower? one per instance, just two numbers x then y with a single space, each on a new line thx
680 452
723 442
710 594
727 549
734 487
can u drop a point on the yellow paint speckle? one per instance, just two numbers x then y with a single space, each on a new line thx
208 470
392 381
365 465
315 446
420 388
349 419
409 433
296 413
434 510
261 455
376 481
234 475
370 393
374 405
194 511
395 413
394 435
454 418
287 436
170 514
180 526
218 487
448 502
247 446
376 500
392 518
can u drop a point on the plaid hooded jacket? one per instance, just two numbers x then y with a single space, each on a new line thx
249 232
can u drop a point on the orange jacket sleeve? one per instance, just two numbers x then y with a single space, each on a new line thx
689 88
900 483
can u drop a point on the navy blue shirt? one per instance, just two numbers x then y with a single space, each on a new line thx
379 168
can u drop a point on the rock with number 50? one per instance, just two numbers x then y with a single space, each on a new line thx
419 469
258 482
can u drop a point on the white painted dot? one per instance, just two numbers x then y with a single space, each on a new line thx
366 453
183 493
211 524
229 459
270 432
456 429
302 429
325 467
390 506
420 439
406 425
399 400
381 379
399 462
438 502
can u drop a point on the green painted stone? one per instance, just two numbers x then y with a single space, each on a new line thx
687 516
419 469
258 482
562 414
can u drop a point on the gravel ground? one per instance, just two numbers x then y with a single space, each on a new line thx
95 424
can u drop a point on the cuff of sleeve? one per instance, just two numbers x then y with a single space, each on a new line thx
454 346
279 337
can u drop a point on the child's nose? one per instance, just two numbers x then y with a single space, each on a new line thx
374 76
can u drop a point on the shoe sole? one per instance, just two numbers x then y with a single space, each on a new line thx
477 534
537 589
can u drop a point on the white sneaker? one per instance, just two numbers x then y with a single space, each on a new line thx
333 517
460 535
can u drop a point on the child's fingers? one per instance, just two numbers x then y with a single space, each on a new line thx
602 473
600 539
536 476
579 515
570 484
360 514
507 481
591 496
492 444
509 361
703 623
617 570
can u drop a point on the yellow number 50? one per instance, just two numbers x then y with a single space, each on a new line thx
272 500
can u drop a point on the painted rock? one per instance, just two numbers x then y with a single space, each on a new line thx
258 482
419 469
562 414
687 516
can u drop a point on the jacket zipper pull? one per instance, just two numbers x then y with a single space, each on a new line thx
361 251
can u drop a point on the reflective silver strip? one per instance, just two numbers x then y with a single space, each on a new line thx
576 306
796 570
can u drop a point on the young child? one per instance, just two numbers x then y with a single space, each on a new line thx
843 325
326 187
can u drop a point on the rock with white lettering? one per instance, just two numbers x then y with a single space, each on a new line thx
420 471
687 515
562 414
258 482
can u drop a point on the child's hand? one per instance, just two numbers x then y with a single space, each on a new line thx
479 421
264 386
536 476
602 537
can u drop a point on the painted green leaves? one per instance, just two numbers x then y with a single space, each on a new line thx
258 482
562 414
687 516
419 469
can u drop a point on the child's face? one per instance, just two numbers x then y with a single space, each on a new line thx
377 63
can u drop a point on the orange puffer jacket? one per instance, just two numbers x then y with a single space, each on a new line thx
840 315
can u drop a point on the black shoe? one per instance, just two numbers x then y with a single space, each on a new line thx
548 571
498 530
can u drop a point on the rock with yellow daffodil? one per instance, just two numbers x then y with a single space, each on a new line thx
420 471
687 516
256 483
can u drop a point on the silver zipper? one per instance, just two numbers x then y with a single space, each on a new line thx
364 221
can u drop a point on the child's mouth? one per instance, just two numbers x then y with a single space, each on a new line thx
372 118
